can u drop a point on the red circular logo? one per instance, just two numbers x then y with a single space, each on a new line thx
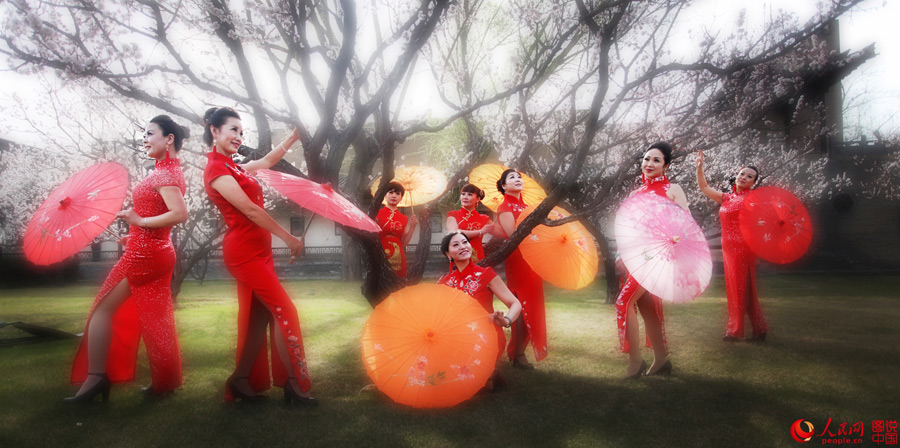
802 431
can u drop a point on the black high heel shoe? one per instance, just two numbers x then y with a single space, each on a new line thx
759 338
730 338
102 387
521 362
232 392
148 393
639 372
291 396
666 369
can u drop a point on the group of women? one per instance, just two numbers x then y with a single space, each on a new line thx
135 300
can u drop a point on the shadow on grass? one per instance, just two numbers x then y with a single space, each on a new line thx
828 357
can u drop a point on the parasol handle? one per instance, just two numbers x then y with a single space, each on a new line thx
307 226
110 233
303 236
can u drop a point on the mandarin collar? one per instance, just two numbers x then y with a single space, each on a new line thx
215 155
514 199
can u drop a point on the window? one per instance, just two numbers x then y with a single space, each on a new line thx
437 225
297 226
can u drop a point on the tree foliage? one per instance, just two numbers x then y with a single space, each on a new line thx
569 92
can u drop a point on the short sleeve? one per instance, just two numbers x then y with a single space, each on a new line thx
444 279
504 207
487 276
169 177
215 169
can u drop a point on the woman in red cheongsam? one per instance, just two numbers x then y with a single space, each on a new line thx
135 301
469 221
739 260
482 284
653 167
527 286
395 233
247 249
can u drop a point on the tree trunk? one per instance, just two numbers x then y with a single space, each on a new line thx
184 265
351 265
380 280
415 271
609 270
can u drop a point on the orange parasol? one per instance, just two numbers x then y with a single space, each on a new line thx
486 176
429 346
564 255
422 184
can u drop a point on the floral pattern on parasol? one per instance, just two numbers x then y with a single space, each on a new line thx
663 247
428 346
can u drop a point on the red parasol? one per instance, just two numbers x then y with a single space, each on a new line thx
320 199
75 213
775 224
663 247
563 255
429 346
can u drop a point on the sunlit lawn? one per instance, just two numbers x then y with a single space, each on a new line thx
833 352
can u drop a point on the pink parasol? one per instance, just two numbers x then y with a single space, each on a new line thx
320 199
75 213
663 247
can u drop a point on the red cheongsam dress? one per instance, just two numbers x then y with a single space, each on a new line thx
659 186
528 287
471 220
740 270
247 250
473 280
393 224
147 266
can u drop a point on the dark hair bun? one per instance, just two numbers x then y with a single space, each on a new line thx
208 114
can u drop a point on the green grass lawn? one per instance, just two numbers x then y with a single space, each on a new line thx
833 352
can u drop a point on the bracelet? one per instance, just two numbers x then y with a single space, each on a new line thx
144 222
281 145
508 321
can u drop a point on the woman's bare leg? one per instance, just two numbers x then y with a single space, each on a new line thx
633 336
256 334
653 327
100 332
